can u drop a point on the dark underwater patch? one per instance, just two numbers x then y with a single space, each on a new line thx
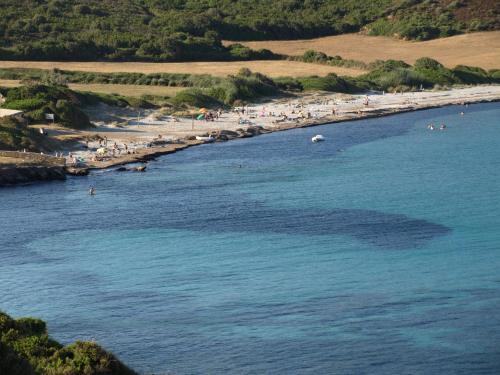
391 231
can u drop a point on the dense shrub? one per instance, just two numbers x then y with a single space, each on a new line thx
427 63
26 104
495 75
471 75
434 72
37 100
331 82
316 57
194 98
70 115
14 135
288 84
26 349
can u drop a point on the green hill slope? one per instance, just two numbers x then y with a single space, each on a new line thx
180 30
26 349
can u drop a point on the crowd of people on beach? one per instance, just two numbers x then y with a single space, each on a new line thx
291 111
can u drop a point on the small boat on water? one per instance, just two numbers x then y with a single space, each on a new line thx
318 138
208 139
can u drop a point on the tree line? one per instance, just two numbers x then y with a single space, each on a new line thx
175 30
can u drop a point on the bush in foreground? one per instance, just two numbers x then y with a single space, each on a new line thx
26 349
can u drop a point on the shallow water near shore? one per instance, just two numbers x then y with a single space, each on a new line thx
374 252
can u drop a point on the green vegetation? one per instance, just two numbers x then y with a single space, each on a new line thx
156 30
194 98
26 349
209 91
242 87
37 100
315 57
429 19
15 135
330 82
397 75
394 75
57 76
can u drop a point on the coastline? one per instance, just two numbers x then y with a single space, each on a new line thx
133 137
348 108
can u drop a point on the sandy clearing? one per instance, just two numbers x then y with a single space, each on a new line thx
476 49
274 68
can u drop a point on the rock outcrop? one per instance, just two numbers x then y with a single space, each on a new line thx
23 175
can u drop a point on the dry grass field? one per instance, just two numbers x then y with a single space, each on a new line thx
125 90
477 49
269 68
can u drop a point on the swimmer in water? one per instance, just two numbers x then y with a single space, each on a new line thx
92 191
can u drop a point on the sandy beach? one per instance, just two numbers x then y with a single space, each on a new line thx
138 136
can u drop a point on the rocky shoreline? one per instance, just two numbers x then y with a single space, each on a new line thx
17 175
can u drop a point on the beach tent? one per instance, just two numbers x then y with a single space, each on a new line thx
102 151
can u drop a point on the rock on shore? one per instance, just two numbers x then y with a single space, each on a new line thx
23 175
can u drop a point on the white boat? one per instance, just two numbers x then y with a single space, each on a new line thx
318 138
205 139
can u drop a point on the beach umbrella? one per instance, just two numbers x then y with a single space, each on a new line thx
203 110
200 117
102 150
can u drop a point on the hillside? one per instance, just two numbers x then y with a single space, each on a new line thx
156 30
26 349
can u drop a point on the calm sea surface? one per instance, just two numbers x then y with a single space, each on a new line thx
375 252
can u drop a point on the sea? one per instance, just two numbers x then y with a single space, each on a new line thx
374 252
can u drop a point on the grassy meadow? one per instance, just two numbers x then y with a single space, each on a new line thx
136 91
271 68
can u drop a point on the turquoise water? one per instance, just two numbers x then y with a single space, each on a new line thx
375 252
